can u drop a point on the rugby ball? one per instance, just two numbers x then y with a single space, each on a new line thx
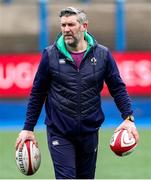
28 158
120 143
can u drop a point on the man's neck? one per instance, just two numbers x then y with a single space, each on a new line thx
82 46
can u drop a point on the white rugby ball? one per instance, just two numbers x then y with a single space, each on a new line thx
120 143
28 158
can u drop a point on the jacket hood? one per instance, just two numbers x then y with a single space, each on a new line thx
62 47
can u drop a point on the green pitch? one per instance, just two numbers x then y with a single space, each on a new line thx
135 166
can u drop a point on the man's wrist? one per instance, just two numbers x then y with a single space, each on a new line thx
28 127
130 118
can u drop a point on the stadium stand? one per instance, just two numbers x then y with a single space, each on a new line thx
20 25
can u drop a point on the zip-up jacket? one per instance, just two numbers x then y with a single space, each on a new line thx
72 95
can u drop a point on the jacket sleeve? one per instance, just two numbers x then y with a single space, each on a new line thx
38 93
117 87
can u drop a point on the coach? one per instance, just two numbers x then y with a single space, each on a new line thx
69 80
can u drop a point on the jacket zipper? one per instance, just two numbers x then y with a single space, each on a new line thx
79 94
79 91
79 99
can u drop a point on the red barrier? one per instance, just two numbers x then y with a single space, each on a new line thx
17 72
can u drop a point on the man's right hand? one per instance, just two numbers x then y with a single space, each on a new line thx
23 136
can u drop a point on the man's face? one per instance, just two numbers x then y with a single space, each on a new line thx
72 30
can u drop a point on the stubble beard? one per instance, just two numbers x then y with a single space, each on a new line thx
71 42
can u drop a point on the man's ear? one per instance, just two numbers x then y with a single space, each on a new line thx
84 26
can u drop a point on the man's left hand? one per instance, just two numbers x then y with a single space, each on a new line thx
130 127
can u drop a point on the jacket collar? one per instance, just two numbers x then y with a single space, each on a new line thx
62 48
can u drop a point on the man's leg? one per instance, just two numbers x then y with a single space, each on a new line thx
86 157
63 157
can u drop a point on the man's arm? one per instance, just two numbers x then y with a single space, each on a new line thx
37 97
38 93
118 91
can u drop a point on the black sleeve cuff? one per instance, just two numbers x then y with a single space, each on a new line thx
28 127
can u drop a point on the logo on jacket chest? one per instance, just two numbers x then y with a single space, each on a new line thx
93 61
62 61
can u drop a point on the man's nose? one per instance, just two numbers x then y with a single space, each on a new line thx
66 29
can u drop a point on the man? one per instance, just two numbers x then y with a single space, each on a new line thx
69 79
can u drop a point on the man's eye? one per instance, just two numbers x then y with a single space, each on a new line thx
70 25
63 25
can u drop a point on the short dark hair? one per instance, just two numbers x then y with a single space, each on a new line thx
69 11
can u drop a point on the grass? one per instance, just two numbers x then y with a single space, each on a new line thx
109 166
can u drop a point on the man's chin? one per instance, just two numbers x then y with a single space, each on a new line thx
69 42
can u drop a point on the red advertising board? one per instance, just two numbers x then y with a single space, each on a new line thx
17 73
135 70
